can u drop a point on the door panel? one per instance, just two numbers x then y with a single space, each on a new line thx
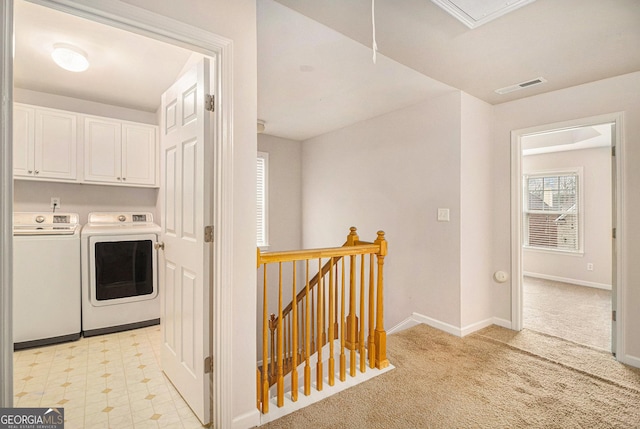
186 148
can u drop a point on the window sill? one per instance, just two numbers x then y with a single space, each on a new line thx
577 253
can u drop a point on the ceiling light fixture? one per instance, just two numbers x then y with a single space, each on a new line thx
69 57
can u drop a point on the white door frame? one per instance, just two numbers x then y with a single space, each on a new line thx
6 205
144 22
516 219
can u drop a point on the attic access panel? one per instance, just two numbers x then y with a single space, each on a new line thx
474 13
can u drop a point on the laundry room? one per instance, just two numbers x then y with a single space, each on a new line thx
86 150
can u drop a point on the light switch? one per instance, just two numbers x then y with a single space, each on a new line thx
443 215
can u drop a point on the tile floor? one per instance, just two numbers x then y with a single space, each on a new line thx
108 381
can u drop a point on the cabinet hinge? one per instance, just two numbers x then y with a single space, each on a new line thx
613 315
613 151
210 102
208 234
208 365
613 233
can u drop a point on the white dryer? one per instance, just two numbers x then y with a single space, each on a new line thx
119 272
46 278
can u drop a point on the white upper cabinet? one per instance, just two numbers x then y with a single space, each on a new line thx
45 143
139 154
23 140
119 152
56 145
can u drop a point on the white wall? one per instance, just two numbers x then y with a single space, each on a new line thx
285 191
392 173
596 185
619 94
476 214
235 20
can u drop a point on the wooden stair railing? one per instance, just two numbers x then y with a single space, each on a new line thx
311 320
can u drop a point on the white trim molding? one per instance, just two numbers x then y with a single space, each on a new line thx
417 319
618 286
6 205
567 280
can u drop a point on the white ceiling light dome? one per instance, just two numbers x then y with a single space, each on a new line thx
70 57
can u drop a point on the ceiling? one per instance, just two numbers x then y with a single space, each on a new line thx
315 68
125 70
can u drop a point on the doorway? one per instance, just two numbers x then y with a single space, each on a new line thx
148 24
564 209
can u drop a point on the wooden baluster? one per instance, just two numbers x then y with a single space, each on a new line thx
285 361
320 326
307 336
370 340
361 337
274 357
343 357
264 396
332 362
294 337
280 341
335 325
352 321
323 289
258 389
313 320
380 334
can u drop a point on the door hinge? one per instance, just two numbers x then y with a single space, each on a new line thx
613 232
613 151
613 315
208 234
208 365
209 102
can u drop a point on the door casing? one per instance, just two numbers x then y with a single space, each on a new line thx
618 286
149 24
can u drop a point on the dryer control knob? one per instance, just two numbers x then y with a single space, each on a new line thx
122 218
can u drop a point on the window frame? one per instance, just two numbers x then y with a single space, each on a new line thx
264 233
574 171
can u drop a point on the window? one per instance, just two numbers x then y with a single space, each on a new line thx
552 214
262 202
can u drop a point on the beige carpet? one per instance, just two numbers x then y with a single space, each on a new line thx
495 378
577 313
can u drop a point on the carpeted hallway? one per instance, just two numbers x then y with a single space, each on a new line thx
494 378
576 313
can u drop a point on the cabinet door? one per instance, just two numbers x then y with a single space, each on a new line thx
23 140
55 144
102 150
139 154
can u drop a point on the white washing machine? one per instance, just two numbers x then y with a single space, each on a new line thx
46 278
119 272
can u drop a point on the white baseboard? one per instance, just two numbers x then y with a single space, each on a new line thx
568 280
502 322
417 318
631 361
247 420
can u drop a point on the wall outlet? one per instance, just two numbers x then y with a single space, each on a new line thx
55 203
443 215
589 266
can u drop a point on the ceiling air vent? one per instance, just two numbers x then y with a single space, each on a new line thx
521 85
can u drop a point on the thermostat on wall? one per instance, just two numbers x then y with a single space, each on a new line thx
500 276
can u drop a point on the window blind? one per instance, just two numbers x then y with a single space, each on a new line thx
261 198
551 211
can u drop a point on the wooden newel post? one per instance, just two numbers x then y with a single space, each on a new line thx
352 237
380 336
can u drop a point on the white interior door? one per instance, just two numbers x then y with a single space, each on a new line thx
186 159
